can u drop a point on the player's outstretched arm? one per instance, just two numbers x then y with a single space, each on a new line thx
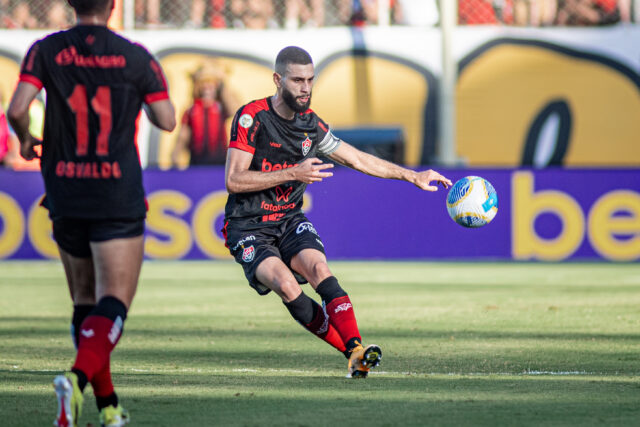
350 156
239 179
18 116
162 114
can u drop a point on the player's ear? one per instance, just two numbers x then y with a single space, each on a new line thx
277 79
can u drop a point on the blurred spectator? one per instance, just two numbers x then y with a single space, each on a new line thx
534 13
420 13
307 13
21 17
472 12
205 13
203 131
252 14
592 12
147 13
366 11
57 16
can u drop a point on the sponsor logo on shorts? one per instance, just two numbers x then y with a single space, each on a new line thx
306 226
342 307
306 146
243 241
245 120
248 254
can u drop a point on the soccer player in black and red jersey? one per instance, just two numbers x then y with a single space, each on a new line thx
96 84
272 157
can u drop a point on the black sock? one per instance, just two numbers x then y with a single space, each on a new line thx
329 289
82 378
80 312
301 309
103 402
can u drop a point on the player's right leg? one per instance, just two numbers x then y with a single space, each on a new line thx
276 275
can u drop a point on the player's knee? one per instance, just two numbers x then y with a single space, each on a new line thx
319 272
288 289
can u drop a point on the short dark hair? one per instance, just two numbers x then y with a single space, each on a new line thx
291 55
87 7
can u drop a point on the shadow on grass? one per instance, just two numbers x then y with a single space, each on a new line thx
47 325
277 400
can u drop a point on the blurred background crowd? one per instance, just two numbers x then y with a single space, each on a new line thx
291 14
202 136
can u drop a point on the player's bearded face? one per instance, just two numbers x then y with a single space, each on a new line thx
294 102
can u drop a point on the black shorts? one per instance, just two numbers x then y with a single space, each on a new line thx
74 234
283 240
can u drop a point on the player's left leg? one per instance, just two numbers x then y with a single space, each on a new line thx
312 264
117 267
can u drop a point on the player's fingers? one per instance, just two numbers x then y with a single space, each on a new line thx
325 174
314 160
324 166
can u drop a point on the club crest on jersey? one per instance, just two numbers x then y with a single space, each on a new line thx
245 121
306 146
248 254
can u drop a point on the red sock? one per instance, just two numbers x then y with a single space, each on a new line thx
98 337
321 327
101 382
342 318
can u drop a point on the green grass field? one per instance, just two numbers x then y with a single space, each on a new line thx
464 344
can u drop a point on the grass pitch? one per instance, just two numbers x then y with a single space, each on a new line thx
464 344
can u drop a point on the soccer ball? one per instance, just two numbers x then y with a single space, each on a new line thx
472 202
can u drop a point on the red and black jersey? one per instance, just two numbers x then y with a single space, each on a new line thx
95 82
276 143
208 143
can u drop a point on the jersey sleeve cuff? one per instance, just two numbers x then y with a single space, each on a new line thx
28 78
155 97
242 146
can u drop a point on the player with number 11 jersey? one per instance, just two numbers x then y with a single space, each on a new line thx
96 83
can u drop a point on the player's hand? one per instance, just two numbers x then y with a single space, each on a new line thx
26 148
423 180
311 170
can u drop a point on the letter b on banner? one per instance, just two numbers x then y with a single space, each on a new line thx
528 205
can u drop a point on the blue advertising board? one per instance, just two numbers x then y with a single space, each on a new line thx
543 215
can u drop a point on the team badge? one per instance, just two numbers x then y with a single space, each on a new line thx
306 146
245 120
248 254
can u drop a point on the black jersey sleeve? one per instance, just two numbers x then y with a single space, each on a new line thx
246 125
153 84
33 66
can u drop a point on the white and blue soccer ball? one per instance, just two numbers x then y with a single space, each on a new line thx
472 202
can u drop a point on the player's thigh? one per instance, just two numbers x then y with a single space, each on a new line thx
302 249
312 264
274 274
118 248
72 238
